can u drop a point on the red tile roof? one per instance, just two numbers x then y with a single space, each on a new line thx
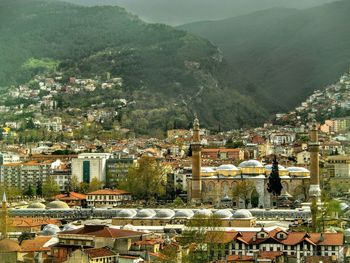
100 252
36 244
102 231
70 196
31 222
109 192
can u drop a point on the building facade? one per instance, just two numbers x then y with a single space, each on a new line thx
90 165
108 198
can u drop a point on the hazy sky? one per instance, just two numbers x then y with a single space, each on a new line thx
176 12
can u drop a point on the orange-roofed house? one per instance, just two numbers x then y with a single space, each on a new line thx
271 245
108 198
93 255
72 199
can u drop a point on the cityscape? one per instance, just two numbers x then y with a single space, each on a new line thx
125 140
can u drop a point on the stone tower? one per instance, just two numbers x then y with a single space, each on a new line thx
314 148
196 186
314 190
4 217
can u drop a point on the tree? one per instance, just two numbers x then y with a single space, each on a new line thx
39 188
95 184
274 185
201 231
145 180
243 191
30 191
73 184
50 187
178 202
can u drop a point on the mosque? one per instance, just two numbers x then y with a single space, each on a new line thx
215 185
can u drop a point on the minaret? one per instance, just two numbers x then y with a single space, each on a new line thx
196 186
4 217
314 190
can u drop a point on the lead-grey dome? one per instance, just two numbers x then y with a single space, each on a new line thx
223 213
145 213
204 213
125 213
184 213
69 227
242 213
57 205
227 167
50 230
165 213
250 163
36 205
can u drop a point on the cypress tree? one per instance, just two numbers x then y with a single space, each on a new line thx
274 185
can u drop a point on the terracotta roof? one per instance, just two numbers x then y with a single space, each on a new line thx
221 150
102 231
109 192
239 257
149 242
269 254
36 244
100 252
327 239
31 222
70 196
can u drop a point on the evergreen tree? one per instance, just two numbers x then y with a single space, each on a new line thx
39 188
30 191
274 185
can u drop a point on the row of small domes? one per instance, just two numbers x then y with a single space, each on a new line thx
182 213
52 205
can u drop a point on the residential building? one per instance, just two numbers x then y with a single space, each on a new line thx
93 255
295 245
6 158
338 167
108 198
223 154
117 169
23 175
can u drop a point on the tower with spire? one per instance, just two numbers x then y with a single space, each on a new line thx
4 217
196 186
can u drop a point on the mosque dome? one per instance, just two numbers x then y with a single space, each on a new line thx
280 167
242 213
344 206
229 167
145 213
251 164
165 213
69 227
184 213
8 245
223 213
50 230
37 205
298 171
57 205
208 171
203 213
23 203
126 213
129 227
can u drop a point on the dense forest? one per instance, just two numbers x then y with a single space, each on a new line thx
169 74
285 53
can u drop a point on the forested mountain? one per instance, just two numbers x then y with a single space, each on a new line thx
168 73
176 12
285 53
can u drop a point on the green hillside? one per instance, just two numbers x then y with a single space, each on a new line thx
170 74
284 53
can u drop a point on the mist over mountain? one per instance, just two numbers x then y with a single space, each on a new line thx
176 12
284 53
